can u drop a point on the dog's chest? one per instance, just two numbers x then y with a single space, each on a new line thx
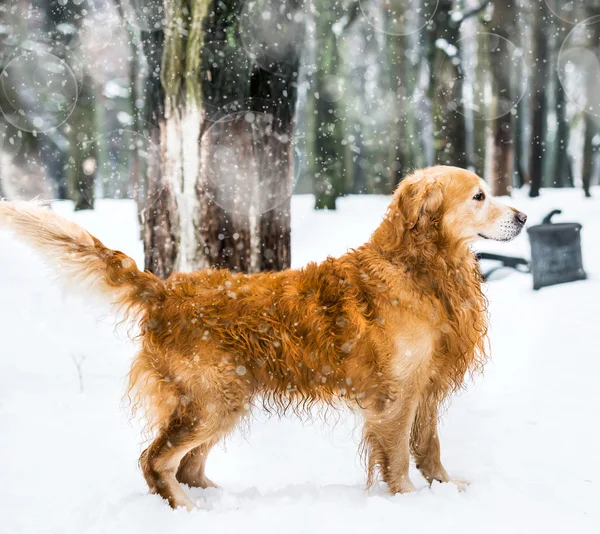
413 349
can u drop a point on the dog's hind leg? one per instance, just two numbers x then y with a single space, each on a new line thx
201 427
192 468
160 461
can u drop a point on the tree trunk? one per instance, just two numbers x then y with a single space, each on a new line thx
247 157
521 176
402 127
522 118
588 153
445 88
563 176
329 165
161 232
503 25
83 152
590 124
502 156
539 82
220 172
480 126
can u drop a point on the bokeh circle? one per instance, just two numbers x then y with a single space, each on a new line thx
571 11
97 30
579 66
333 88
118 159
483 96
244 161
273 34
39 91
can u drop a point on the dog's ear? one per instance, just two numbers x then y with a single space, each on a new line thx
420 201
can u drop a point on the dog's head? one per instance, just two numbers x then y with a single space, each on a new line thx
457 201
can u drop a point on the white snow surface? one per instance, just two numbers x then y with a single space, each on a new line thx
525 434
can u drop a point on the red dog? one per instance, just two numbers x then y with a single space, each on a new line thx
390 328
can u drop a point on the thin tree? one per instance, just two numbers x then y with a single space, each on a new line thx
539 82
477 158
590 122
446 81
446 87
504 23
159 213
328 162
83 150
402 75
562 173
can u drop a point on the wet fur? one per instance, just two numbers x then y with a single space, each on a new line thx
391 329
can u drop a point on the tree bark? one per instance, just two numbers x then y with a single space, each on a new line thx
539 82
503 25
220 170
83 150
402 128
445 88
588 153
521 176
480 125
562 162
247 160
329 165
590 124
161 232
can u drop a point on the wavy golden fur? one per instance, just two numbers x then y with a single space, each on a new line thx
391 328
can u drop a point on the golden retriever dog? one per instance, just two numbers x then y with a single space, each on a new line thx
391 329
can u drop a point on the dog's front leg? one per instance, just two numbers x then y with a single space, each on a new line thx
387 439
425 442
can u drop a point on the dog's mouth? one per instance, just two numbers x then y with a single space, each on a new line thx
503 239
516 230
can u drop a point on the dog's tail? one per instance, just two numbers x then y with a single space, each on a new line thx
78 257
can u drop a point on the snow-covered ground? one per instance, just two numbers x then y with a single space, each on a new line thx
525 434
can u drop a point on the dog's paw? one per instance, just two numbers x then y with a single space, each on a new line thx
461 484
405 485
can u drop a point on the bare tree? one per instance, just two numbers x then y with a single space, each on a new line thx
329 152
590 122
159 214
504 23
562 168
446 81
446 87
539 82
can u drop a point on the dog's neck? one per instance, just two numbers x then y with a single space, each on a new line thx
429 250
429 262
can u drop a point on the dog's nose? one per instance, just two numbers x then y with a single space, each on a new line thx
521 217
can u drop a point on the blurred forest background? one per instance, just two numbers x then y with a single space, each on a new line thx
210 113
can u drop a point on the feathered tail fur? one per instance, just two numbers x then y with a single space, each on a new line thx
78 257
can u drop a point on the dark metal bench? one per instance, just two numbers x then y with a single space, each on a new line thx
519 264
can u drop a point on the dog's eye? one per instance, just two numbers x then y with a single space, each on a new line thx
479 196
